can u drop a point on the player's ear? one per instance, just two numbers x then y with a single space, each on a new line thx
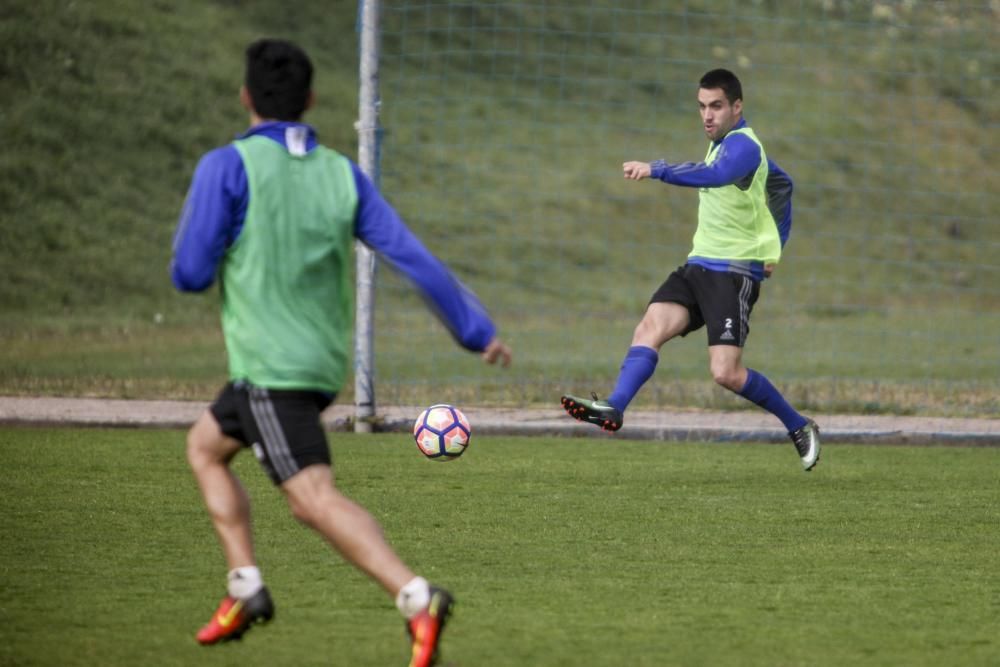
245 99
310 101
738 107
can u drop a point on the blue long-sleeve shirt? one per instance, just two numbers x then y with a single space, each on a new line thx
737 159
216 207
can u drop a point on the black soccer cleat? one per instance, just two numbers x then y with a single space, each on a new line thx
595 411
806 441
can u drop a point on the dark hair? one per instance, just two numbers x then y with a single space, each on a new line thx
278 78
723 78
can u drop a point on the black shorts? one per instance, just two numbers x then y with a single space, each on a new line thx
283 427
718 300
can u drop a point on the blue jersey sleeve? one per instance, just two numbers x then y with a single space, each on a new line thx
738 156
380 227
211 220
779 199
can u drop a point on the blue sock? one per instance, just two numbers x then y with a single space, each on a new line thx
759 390
638 366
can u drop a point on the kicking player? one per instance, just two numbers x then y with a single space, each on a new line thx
744 217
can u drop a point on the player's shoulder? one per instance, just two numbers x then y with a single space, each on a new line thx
220 154
742 136
741 145
222 159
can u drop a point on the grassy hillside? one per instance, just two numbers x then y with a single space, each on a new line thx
505 126
107 107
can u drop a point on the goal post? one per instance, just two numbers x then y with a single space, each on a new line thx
369 135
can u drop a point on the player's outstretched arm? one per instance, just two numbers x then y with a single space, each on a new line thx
496 351
458 308
636 171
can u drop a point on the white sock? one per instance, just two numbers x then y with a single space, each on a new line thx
244 582
413 597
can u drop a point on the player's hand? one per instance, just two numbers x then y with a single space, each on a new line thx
768 270
636 171
497 351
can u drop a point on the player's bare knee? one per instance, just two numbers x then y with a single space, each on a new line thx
648 333
197 456
302 511
301 507
308 508
728 380
726 376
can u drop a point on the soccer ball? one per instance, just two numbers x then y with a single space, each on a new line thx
442 432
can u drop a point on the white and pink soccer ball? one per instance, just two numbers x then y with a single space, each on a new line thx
442 432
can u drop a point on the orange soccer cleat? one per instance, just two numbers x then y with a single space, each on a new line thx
426 627
235 616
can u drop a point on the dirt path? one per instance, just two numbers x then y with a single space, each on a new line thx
663 425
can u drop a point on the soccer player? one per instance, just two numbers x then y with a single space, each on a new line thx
744 217
274 215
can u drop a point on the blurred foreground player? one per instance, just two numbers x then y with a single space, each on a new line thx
274 216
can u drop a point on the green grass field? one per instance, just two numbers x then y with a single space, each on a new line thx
561 552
